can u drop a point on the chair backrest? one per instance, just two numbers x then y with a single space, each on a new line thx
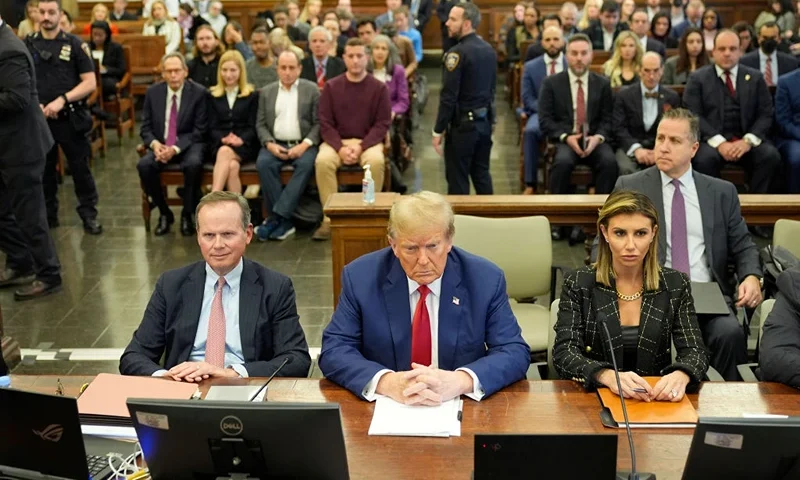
551 340
786 235
521 247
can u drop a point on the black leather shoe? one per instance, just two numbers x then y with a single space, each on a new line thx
92 227
187 226
35 290
9 277
164 222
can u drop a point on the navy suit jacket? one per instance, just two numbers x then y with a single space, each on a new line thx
192 115
654 45
677 30
268 323
786 63
371 328
787 105
533 73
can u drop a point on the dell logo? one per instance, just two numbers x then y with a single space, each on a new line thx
52 433
231 426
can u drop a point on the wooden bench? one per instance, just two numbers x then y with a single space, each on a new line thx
146 52
122 104
128 26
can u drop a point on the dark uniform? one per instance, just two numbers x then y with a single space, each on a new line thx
466 114
59 65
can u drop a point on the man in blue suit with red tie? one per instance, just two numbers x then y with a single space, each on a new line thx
533 73
423 322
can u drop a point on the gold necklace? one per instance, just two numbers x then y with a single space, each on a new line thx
630 298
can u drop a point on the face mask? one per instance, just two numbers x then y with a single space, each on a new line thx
769 45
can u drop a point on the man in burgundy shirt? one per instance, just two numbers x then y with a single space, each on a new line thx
354 116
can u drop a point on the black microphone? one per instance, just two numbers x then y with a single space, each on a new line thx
285 361
601 319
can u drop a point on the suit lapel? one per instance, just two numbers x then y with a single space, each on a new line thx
192 295
187 92
638 109
398 312
250 290
565 84
743 94
705 197
605 301
452 306
272 96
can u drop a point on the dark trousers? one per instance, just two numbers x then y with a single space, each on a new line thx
762 165
109 85
3 366
726 342
191 162
467 149
530 149
602 161
282 200
77 152
24 234
790 152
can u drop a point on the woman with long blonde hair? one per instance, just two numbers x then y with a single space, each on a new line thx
591 12
279 41
160 23
232 112
626 60
32 18
310 13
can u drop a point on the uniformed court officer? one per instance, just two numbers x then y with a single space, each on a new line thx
466 105
65 76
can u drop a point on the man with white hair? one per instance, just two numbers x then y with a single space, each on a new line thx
422 321
215 18
319 67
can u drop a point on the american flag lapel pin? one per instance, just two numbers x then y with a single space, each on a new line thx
456 301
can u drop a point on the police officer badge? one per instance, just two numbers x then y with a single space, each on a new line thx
86 50
65 53
451 61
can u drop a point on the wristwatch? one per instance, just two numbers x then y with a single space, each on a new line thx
66 100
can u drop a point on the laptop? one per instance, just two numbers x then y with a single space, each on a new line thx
510 457
708 299
41 439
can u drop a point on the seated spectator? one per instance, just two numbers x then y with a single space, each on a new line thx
65 22
388 16
604 33
693 18
691 56
529 30
366 30
787 117
311 12
590 14
32 18
767 59
320 66
119 12
346 23
711 25
641 27
336 48
195 327
660 29
216 18
232 112
537 49
654 8
474 349
293 9
281 16
261 69
533 73
781 12
344 5
626 9
186 20
779 353
747 37
401 22
172 8
280 41
174 123
405 49
623 67
568 13
288 130
354 116
206 53
234 39
637 112
160 23
110 56
100 14
735 110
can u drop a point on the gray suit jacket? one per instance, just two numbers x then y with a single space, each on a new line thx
724 230
671 77
307 101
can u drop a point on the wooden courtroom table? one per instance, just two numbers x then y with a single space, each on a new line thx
357 229
544 407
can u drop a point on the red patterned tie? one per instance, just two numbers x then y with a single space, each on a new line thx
421 330
320 76
552 68
580 108
215 342
768 72
729 83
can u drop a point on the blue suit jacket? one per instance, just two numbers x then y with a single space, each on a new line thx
371 328
787 105
533 73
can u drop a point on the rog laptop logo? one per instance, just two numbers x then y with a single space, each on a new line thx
51 434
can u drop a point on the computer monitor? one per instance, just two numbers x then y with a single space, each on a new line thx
507 457
199 440
745 448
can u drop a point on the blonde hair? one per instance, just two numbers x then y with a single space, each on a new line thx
245 88
304 15
628 202
584 22
98 6
421 212
613 67
167 18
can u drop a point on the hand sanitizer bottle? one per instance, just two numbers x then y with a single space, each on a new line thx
368 186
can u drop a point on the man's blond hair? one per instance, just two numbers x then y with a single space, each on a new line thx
421 212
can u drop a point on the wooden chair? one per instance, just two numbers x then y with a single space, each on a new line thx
122 104
97 135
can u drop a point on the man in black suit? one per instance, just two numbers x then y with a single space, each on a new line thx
24 234
640 25
180 141
224 317
319 67
119 14
604 32
637 111
578 122
767 59
421 11
735 110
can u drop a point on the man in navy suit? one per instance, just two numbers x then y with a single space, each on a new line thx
423 322
694 18
534 72
767 59
640 25
181 141
787 115
224 317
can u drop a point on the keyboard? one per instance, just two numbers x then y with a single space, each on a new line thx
97 464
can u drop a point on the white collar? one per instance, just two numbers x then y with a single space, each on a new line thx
232 278
583 78
435 286
646 90
293 86
686 179
721 72
559 59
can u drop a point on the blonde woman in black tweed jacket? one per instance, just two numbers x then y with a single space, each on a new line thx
645 307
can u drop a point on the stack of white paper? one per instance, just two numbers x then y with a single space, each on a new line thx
395 419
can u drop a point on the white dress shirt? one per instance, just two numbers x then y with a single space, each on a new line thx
643 43
432 302
698 261
559 63
649 115
287 121
608 40
762 59
718 139
231 94
573 88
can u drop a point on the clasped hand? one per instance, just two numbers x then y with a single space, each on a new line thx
232 140
162 152
573 141
424 385
197 372
350 154
633 384
733 151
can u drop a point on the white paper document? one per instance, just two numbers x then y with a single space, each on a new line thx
236 393
109 432
395 419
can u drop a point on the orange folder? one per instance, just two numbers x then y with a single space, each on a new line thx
646 414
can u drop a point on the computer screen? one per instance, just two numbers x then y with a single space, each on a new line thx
198 440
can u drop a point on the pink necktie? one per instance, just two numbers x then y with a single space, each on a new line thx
768 72
215 342
421 330
679 234
172 132
580 108
552 68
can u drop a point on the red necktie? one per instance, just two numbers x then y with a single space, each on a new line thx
215 341
729 83
421 330
580 108
172 132
320 76
552 68
768 72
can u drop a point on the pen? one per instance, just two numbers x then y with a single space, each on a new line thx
460 410
640 390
